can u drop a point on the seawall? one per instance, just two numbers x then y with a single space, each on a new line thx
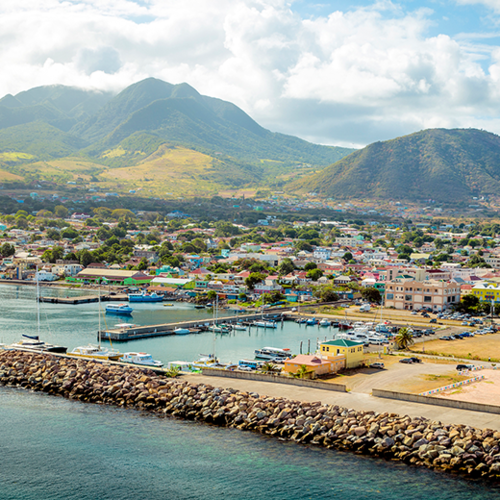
417 441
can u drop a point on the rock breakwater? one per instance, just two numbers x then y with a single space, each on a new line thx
417 441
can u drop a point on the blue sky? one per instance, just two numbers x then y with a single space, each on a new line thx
337 72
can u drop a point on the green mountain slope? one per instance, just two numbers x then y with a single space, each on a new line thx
440 164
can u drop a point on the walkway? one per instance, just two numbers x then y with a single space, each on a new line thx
355 400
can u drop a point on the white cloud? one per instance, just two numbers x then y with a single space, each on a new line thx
355 77
492 4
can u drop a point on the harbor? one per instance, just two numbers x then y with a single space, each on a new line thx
84 299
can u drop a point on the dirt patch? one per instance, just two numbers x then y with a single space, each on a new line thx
486 391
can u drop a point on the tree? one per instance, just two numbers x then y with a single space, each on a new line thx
327 294
302 372
347 256
468 303
253 279
310 265
61 211
143 264
211 295
404 339
69 233
286 267
6 250
371 294
53 234
85 257
269 367
314 274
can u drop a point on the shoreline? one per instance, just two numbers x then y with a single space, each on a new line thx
418 441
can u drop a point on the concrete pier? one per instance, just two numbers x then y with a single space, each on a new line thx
84 299
141 332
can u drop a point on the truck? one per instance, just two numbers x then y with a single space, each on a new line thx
365 308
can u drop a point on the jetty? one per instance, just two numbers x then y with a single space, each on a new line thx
195 326
84 299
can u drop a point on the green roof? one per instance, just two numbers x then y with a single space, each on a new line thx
342 343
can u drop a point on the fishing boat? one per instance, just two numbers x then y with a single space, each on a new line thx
145 297
122 309
33 343
140 358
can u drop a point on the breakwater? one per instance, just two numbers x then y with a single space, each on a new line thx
416 441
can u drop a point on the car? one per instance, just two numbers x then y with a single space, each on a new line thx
425 315
414 313
379 366
416 360
445 337
464 323
464 367
408 361
433 320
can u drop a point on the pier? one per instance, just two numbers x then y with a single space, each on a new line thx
84 299
196 326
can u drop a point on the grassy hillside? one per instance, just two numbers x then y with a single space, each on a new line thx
446 165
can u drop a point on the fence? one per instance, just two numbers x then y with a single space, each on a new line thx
453 386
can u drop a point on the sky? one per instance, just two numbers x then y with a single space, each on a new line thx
345 73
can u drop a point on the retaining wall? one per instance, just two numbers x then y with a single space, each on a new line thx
427 400
262 377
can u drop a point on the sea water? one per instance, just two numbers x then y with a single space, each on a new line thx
53 448
75 325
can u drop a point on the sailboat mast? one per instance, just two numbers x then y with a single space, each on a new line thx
99 312
37 302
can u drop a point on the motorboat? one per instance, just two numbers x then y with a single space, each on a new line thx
122 309
219 329
301 321
311 322
239 327
140 358
199 306
273 354
265 324
145 297
96 352
181 331
35 344
324 323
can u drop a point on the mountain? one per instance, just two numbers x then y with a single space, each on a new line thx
170 128
444 165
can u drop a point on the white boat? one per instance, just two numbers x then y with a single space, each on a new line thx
96 352
273 354
219 329
124 309
181 331
240 327
141 358
34 344
265 324
324 323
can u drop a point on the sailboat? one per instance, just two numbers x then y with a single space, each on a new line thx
97 352
33 342
215 327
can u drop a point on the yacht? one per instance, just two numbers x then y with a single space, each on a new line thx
265 324
324 323
119 309
35 344
145 297
141 358
311 322
96 352
273 354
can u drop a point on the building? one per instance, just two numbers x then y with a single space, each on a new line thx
316 365
485 291
112 276
352 351
413 295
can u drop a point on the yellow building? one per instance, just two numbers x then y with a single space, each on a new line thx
486 291
353 351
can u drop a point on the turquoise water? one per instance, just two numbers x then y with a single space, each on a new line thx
52 448
74 325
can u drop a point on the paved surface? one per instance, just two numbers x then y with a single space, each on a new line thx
355 400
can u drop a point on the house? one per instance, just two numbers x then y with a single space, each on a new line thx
112 276
352 351
316 365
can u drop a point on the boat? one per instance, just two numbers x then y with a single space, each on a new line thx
239 327
301 321
311 322
324 323
219 329
273 354
119 309
265 324
199 306
125 326
140 358
168 305
96 351
35 344
181 331
145 297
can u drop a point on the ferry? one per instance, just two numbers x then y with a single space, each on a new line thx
122 309
273 354
140 358
145 297
96 352
35 344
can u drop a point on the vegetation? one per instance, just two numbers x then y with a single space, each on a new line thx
404 339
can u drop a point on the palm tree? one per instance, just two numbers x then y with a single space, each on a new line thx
302 372
404 339
269 367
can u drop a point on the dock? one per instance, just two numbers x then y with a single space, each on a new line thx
196 326
84 299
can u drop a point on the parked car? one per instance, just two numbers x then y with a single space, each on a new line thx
379 366
408 361
433 320
416 360
464 367
445 337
